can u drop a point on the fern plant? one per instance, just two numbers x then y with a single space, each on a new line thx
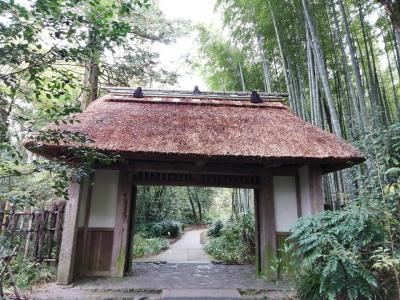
354 253
331 247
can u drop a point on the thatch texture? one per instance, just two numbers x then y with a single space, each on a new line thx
206 129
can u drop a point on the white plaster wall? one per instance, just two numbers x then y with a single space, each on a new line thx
304 176
285 200
104 199
82 203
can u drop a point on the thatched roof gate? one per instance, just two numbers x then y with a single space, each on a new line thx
176 138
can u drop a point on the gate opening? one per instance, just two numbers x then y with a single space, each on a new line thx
191 224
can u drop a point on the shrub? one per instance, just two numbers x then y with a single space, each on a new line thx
156 230
354 253
28 273
148 246
336 253
236 242
167 228
215 229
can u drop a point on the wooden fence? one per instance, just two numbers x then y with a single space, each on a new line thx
39 232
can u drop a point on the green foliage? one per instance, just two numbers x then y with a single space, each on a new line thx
354 253
29 273
283 55
158 203
215 229
166 228
332 245
44 46
236 243
221 62
145 246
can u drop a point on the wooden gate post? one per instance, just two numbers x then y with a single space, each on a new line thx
257 228
67 253
123 229
316 192
265 229
131 231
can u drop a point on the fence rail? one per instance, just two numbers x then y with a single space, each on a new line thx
39 232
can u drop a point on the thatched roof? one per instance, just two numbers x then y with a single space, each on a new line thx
209 129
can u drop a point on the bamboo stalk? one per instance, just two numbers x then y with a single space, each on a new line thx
29 233
6 218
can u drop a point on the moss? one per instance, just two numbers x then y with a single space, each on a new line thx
121 262
271 263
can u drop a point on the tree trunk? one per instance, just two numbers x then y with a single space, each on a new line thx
200 211
195 196
158 198
322 68
396 99
346 69
6 108
91 83
396 39
296 67
355 65
392 9
235 202
192 206
373 92
278 38
264 62
313 82
242 83
381 97
263 55
3 121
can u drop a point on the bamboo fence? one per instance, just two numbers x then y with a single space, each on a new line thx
39 232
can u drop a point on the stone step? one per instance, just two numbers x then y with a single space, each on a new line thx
197 294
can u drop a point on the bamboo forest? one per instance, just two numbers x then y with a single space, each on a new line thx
202 149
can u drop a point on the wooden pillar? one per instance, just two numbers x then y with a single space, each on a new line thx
298 197
70 229
257 229
84 255
266 239
316 192
123 230
131 232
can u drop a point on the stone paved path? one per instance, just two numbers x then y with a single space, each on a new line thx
151 279
187 249
185 271
174 294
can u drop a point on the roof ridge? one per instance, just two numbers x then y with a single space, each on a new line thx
227 95
194 100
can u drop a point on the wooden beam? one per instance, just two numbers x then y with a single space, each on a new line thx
207 168
122 229
195 183
268 253
68 245
196 168
316 192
